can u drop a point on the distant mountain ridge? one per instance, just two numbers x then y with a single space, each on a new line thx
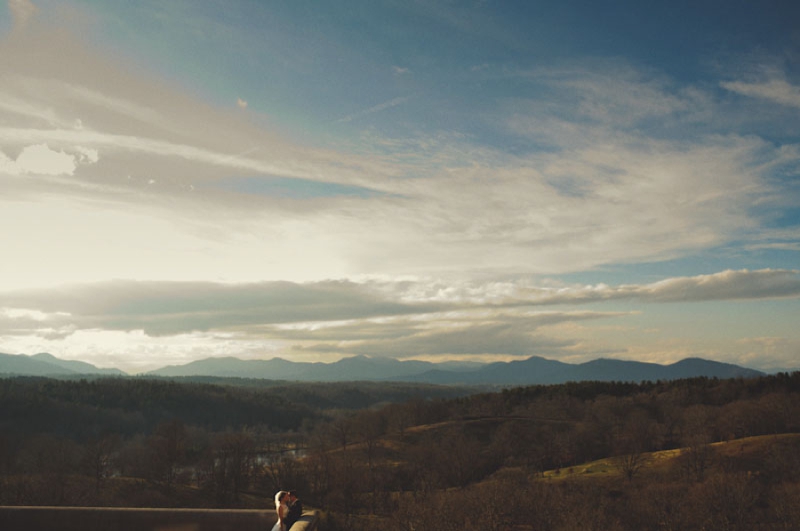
531 371
346 369
44 364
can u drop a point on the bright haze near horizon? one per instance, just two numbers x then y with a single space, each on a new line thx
434 180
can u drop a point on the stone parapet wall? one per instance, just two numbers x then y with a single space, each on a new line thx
133 519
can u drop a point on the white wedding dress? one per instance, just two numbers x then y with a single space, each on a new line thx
282 509
277 526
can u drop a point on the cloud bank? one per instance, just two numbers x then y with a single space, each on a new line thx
398 319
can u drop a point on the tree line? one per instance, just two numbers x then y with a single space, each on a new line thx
197 441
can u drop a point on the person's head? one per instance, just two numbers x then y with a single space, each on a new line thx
292 496
280 496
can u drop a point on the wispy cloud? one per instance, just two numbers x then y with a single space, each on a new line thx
142 145
775 90
21 108
617 94
292 168
22 11
724 285
475 334
394 102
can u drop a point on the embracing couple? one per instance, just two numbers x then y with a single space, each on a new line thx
289 510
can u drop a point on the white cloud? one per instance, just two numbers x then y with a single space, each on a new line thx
775 90
87 155
242 104
39 159
21 313
7 165
573 209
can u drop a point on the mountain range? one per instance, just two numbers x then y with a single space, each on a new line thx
530 371
48 365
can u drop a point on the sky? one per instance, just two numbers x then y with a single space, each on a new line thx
413 179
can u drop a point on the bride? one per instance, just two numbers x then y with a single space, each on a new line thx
282 509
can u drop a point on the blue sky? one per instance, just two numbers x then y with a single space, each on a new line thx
420 179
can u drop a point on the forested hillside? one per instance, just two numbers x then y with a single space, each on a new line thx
81 408
509 459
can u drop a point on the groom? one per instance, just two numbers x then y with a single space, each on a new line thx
295 509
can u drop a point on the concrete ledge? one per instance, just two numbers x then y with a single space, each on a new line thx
307 522
13 518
